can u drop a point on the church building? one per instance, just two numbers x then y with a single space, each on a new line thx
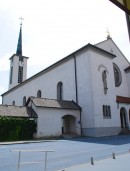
86 93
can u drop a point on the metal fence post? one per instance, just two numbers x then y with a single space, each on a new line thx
19 156
19 160
45 160
92 161
113 156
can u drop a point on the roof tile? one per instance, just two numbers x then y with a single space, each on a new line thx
53 103
16 111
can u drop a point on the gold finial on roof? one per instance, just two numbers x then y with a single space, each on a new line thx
108 34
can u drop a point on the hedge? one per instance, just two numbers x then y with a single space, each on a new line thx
12 128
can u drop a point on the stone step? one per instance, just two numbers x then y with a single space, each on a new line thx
124 131
69 136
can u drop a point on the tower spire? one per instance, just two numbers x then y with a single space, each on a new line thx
19 45
18 63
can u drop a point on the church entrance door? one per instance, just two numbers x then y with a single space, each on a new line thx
123 117
69 124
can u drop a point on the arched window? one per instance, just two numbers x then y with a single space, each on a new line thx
123 117
13 103
117 75
39 94
24 101
60 91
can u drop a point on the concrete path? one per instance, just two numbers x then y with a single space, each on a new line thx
67 153
122 162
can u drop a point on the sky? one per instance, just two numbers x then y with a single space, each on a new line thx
53 29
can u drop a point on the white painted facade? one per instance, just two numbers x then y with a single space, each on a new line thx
81 76
50 122
14 65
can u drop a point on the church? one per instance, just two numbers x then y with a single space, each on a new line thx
86 93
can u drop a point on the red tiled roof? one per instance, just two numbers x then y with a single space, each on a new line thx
122 99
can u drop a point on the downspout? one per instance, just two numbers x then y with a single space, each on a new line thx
75 71
80 121
76 89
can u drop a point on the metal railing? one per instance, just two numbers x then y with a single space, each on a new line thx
19 157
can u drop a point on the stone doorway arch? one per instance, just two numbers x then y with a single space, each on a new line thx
123 117
68 124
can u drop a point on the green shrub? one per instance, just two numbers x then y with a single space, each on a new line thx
12 128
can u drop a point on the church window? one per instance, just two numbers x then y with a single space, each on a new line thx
117 75
24 101
39 94
13 103
60 91
11 74
20 74
106 111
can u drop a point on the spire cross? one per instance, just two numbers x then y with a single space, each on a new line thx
21 20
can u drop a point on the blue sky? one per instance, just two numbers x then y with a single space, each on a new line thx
52 29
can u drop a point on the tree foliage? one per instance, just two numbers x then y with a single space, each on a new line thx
12 128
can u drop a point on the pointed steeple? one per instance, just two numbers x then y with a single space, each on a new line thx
18 64
19 45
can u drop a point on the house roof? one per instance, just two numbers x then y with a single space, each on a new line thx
53 103
122 99
88 46
17 111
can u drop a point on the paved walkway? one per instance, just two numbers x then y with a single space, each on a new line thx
25 142
69 154
120 163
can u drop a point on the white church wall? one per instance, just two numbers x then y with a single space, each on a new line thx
84 84
128 81
14 62
25 68
121 62
50 121
47 83
99 98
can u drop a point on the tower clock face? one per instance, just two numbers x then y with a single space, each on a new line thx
20 63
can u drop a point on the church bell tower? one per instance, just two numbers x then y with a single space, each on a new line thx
18 64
